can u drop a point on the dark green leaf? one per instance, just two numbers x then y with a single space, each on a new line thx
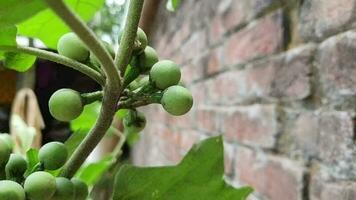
172 5
15 11
94 171
18 61
198 176
47 27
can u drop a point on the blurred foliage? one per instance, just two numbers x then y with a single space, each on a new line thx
109 21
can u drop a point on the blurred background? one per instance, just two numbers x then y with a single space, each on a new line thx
277 78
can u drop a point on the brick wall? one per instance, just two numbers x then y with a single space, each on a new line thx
278 79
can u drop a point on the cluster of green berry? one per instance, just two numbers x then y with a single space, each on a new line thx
146 80
19 182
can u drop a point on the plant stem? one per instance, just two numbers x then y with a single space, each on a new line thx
112 88
96 76
129 35
89 98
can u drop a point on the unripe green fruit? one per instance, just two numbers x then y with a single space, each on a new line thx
7 138
165 73
10 190
15 167
5 152
65 104
177 100
147 59
40 186
71 46
134 121
140 42
80 189
53 155
65 189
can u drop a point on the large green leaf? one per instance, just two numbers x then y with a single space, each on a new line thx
16 61
199 176
19 61
15 11
47 27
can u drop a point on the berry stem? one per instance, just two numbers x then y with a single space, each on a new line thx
129 35
89 98
96 76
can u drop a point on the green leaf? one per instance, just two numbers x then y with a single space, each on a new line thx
47 27
87 119
74 140
172 5
198 176
92 172
18 61
120 114
15 11
33 162
32 157
7 37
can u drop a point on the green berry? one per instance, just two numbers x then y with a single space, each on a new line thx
10 190
71 46
177 100
134 121
65 189
40 186
5 152
140 42
65 104
165 73
16 167
53 155
80 189
7 138
147 59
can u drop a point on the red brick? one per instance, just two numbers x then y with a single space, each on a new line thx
275 178
254 125
208 120
231 14
322 18
285 77
195 45
264 37
214 61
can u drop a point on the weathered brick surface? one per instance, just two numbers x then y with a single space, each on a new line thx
284 77
277 80
314 134
273 177
335 60
322 18
323 187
